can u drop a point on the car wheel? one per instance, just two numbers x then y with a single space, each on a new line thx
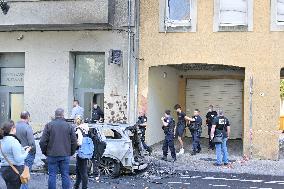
109 167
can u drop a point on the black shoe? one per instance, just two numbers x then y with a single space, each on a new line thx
226 164
217 165
164 158
193 153
174 160
198 151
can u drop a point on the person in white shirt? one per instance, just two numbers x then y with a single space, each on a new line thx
77 110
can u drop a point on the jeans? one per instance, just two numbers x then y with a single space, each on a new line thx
12 180
196 140
222 152
29 161
81 173
61 164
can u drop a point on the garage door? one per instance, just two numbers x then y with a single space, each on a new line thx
224 93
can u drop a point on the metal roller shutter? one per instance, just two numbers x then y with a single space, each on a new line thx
224 93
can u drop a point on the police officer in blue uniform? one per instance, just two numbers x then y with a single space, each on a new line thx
142 123
168 127
209 120
196 130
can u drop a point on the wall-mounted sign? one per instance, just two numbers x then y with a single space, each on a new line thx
13 77
116 57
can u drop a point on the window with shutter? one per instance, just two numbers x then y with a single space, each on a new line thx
233 13
178 13
280 12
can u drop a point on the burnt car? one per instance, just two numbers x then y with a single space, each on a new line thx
123 153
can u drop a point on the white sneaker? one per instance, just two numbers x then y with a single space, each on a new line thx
181 151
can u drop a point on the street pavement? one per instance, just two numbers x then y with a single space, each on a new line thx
181 180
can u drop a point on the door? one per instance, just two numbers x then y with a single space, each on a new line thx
4 107
16 105
224 93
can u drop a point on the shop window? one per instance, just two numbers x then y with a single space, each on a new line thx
233 15
178 15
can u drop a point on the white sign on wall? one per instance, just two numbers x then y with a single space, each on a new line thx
13 77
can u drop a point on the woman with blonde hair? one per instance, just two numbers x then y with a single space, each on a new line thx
82 130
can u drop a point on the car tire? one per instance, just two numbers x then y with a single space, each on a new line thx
109 167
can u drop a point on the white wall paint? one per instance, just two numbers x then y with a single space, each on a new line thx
163 94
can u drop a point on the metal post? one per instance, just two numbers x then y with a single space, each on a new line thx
136 62
250 115
128 60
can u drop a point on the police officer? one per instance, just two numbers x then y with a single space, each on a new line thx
221 126
209 119
97 113
195 129
142 122
168 127
180 128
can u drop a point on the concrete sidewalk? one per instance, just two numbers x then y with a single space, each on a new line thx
204 161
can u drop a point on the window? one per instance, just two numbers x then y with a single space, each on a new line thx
277 15
280 12
90 71
233 15
178 15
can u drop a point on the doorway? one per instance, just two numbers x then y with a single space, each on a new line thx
89 81
12 104
12 70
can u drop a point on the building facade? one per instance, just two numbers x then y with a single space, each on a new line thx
53 52
220 52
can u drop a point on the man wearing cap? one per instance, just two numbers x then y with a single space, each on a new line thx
221 127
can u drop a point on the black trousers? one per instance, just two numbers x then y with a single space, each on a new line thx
210 142
169 144
81 173
96 162
143 133
12 180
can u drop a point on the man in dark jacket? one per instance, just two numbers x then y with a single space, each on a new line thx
97 114
25 135
58 143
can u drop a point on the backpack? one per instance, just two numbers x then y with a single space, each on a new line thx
100 145
86 150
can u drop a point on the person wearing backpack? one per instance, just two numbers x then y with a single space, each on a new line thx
84 153
100 146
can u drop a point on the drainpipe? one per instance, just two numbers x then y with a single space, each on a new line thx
250 115
128 60
136 62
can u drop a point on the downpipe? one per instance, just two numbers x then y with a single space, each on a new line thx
128 59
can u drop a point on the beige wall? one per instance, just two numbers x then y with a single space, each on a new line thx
260 52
